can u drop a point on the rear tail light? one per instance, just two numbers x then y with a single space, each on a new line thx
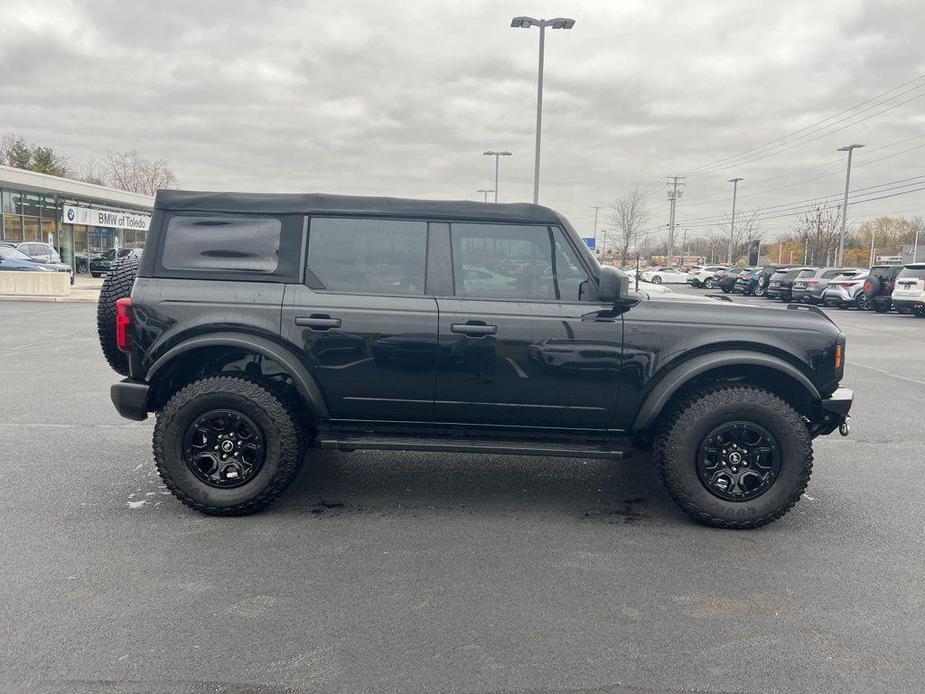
124 324
813 282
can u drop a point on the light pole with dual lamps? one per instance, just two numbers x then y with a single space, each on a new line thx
497 156
526 23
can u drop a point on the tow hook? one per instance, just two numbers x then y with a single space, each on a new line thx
845 427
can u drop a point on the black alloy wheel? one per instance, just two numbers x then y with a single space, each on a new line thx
224 448
863 302
738 461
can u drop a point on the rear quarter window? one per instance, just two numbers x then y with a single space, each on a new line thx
232 246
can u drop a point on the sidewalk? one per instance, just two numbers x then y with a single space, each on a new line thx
84 289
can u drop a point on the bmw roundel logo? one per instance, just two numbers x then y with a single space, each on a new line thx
70 215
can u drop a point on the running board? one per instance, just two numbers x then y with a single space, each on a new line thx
610 450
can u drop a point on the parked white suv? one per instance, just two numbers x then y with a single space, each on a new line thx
909 292
847 291
706 276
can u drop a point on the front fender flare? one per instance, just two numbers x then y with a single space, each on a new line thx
668 385
304 383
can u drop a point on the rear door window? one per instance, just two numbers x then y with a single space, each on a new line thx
913 272
367 256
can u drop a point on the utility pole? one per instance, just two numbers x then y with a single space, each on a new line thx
683 243
871 264
915 244
526 23
595 208
486 191
675 191
732 224
844 215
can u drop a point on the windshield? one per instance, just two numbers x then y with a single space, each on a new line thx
11 253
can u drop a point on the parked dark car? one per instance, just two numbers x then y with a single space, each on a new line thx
728 278
780 286
878 287
12 260
15 259
756 282
809 285
99 264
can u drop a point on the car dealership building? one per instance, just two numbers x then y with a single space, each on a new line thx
79 219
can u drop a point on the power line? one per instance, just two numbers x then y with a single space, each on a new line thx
812 129
793 208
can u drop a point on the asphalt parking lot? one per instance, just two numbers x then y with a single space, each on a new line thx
412 572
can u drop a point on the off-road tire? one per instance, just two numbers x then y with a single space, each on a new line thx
117 285
684 426
904 310
275 415
882 306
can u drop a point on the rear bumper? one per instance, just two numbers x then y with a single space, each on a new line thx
831 412
131 398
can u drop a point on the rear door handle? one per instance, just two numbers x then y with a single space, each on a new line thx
318 321
473 329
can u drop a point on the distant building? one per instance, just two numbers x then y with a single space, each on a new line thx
79 219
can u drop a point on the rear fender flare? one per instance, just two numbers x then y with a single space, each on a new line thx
681 374
304 383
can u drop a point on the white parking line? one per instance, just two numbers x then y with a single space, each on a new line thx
888 373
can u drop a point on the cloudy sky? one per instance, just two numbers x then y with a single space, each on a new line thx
402 97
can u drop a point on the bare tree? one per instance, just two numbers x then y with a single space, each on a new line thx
743 232
627 216
817 231
92 171
129 171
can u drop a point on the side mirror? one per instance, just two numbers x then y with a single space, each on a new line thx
613 285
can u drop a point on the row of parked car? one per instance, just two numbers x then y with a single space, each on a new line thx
37 256
879 288
31 257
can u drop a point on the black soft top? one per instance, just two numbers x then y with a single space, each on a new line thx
324 204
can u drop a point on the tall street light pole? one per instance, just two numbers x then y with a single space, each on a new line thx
486 191
732 224
526 23
844 214
497 156
596 208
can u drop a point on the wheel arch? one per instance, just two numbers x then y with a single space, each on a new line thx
210 349
756 368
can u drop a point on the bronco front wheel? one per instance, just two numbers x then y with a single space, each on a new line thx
734 456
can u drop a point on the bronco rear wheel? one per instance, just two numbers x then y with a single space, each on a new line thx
117 285
227 445
734 456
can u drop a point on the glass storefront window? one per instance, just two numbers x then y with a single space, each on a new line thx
81 249
6 201
49 230
31 229
32 205
12 228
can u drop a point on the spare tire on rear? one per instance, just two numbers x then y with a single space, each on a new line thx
872 286
117 285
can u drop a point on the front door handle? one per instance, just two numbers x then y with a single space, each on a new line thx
473 329
318 321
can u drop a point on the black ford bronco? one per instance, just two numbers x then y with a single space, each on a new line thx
258 327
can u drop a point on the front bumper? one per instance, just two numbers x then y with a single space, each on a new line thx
131 398
831 413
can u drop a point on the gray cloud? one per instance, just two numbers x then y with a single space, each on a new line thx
402 98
